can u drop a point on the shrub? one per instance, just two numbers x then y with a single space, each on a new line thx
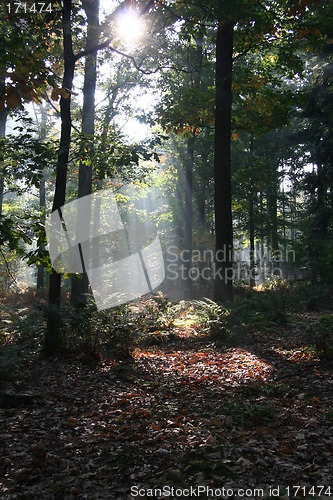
323 336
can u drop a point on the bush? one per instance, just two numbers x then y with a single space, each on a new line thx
261 307
323 336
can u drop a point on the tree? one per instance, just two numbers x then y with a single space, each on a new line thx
222 163
53 325
91 8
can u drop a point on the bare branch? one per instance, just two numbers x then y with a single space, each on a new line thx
7 266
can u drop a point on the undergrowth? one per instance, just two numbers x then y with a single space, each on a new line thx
152 320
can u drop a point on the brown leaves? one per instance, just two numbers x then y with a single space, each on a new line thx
60 92
13 99
187 412
14 95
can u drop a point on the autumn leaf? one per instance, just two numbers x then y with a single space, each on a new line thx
62 92
12 98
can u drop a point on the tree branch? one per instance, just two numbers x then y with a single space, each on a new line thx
7 266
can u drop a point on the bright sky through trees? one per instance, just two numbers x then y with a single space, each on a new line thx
130 27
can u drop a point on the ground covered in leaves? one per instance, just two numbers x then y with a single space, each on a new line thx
186 411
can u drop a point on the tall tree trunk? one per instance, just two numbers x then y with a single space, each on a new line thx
53 325
42 204
272 213
251 224
3 119
284 230
91 7
188 214
41 269
223 289
262 240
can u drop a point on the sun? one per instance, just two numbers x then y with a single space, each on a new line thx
129 26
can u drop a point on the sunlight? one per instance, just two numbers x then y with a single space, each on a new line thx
130 26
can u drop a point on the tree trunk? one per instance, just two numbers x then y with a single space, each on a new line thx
262 241
53 325
272 213
80 287
41 269
42 204
3 119
223 289
188 214
251 224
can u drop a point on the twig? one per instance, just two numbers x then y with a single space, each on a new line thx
7 266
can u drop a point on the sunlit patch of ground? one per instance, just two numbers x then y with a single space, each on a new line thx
208 366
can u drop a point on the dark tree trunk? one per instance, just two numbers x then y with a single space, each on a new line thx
272 213
3 119
251 224
251 228
80 287
262 240
53 326
223 289
41 269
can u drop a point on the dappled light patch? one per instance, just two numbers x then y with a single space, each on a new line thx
207 366
185 410
298 354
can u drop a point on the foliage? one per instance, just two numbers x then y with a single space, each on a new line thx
22 326
260 307
185 413
323 336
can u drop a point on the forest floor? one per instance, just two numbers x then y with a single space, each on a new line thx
247 421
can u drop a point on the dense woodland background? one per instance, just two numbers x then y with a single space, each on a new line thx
212 120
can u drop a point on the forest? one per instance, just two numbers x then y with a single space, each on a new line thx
166 249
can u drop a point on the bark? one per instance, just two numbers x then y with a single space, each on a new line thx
80 287
42 205
262 240
272 213
251 224
53 327
3 119
284 230
251 227
223 289
41 269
